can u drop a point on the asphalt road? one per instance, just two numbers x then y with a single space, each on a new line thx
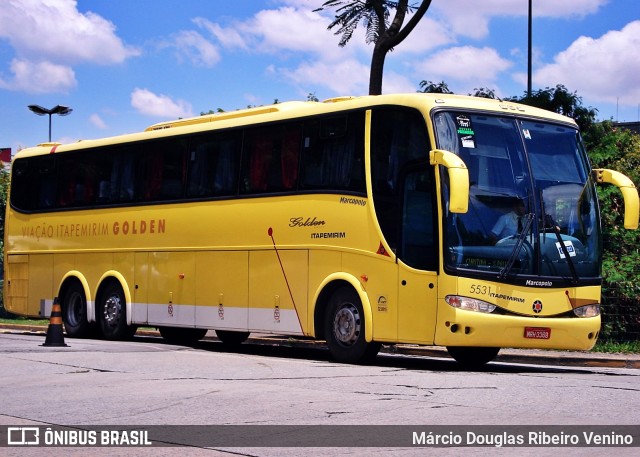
146 383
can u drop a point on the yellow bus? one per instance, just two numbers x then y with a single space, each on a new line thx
415 218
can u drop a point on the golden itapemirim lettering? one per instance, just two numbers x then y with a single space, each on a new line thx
139 227
93 229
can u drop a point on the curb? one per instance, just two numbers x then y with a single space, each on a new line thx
539 357
520 356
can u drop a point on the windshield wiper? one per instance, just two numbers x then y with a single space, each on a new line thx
526 226
552 223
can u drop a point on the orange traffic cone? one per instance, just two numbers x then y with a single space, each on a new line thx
54 331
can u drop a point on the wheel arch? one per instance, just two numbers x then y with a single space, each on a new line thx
321 299
114 276
75 276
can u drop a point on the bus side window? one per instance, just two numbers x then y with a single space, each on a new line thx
290 155
199 169
66 181
23 195
398 139
258 154
311 160
103 163
174 153
213 165
76 180
148 175
33 183
226 170
333 154
161 170
122 176
47 179
271 157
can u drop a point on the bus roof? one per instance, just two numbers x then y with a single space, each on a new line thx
294 109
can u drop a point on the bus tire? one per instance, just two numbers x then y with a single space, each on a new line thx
472 357
111 313
182 336
231 338
74 312
344 328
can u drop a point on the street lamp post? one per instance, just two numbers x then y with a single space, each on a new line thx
58 109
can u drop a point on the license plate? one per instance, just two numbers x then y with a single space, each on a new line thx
537 333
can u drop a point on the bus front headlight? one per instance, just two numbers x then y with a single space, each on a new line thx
470 304
587 311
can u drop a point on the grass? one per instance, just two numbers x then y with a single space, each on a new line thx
23 321
625 347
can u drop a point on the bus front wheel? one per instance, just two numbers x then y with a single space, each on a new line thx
112 314
344 328
472 357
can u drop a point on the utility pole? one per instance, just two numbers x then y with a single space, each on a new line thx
529 53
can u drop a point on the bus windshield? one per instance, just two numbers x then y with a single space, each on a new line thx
532 204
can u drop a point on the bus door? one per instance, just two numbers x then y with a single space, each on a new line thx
417 256
140 303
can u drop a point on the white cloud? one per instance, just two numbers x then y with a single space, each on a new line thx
277 30
602 69
39 77
428 34
191 45
344 78
281 29
473 20
229 37
150 104
55 30
50 36
293 31
465 63
97 122
396 83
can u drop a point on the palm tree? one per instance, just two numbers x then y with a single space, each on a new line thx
385 34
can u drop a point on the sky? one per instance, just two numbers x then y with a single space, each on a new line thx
124 65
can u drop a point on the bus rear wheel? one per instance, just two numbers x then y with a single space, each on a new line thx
472 357
74 312
112 313
185 336
231 338
344 328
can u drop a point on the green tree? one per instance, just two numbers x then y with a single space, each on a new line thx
4 187
385 34
560 100
617 149
429 87
484 92
219 110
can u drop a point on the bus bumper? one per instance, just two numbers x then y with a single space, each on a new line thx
469 328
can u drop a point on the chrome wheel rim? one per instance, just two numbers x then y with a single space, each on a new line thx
112 310
347 324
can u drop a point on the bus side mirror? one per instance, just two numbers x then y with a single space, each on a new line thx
458 178
629 194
